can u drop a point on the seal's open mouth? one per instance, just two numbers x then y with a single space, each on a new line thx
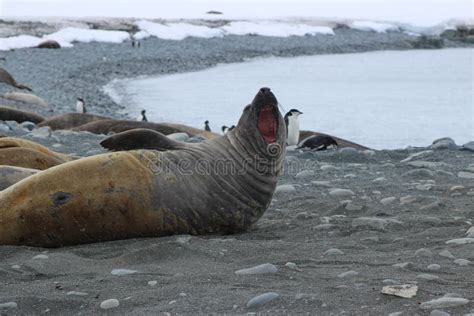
267 124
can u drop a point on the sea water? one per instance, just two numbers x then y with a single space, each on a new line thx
384 100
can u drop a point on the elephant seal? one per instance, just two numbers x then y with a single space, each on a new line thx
341 143
223 185
10 114
50 44
117 126
10 175
140 138
25 98
7 78
70 120
27 154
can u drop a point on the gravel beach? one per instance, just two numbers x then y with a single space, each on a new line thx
343 224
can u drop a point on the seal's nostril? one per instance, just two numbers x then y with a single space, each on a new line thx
265 90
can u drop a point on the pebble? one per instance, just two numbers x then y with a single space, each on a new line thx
76 293
111 303
302 215
41 132
42 256
292 266
260 269
28 126
262 299
417 155
456 188
373 238
403 265
462 262
122 271
152 283
8 305
333 252
447 254
285 188
350 175
379 180
353 207
182 137
407 199
423 252
403 290
305 174
388 200
373 222
324 184
425 164
348 274
341 192
433 267
466 175
16 267
460 241
419 173
427 277
437 312
444 302
396 314
470 232
390 281
328 168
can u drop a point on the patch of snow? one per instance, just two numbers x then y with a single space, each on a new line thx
277 29
175 31
372 26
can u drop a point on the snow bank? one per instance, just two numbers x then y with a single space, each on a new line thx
175 31
65 38
371 26
278 29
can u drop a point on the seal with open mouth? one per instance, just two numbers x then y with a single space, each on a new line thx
223 185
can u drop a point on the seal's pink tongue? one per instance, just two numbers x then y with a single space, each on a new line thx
267 124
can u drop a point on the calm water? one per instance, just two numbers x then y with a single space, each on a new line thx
388 99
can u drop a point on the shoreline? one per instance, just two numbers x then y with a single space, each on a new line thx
59 76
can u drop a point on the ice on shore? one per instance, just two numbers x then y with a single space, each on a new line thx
371 26
271 28
65 38
175 31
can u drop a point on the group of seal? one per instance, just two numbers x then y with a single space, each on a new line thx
148 193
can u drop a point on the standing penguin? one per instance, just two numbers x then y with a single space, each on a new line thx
292 127
80 106
206 126
142 117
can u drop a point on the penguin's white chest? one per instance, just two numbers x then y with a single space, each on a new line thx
293 131
79 107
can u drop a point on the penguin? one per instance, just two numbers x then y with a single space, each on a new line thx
142 117
80 106
319 142
292 127
226 129
206 126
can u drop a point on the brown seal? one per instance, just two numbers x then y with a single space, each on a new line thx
117 126
341 143
10 114
27 154
7 78
70 120
10 175
50 44
223 185
140 138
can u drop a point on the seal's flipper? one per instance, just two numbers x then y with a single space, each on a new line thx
9 175
141 138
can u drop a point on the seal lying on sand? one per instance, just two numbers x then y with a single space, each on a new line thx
222 185
7 78
140 138
117 126
10 175
70 120
10 114
341 143
25 98
27 154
